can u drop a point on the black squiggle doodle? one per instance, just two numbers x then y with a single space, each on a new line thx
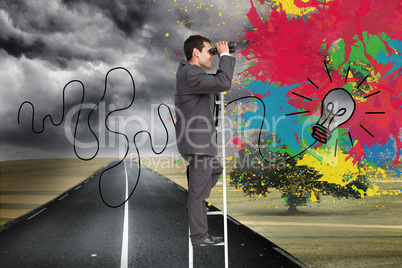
79 113
62 116
152 147
88 121
107 127
122 134
261 127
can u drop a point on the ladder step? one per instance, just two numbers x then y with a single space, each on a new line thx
216 245
214 213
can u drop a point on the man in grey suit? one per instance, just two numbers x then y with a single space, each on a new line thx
195 126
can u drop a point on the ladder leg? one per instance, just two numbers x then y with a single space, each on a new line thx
190 250
190 245
225 216
188 174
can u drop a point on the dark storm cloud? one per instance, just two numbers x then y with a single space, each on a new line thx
129 16
17 46
64 32
45 44
35 18
150 91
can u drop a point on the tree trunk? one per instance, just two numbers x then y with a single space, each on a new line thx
292 208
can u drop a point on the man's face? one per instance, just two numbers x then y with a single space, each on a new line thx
205 58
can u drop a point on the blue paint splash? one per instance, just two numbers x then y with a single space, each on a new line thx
286 127
394 59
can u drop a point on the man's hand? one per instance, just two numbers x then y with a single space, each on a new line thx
221 47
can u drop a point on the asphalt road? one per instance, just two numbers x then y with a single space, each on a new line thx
78 230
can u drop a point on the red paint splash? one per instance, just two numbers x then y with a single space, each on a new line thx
288 51
237 141
283 51
382 127
260 96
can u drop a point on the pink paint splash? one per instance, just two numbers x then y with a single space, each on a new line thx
282 51
351 18
237 141
260 96
379 127
288 51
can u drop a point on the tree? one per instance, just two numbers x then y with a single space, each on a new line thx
299 184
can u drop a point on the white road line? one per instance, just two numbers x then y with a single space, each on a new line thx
289 257
86 181
36 214
181 188
234 221
124 247
78 187
63 197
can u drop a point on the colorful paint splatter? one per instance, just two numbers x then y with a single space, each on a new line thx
295 52
303 49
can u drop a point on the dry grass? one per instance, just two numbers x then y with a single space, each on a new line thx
28 184
335 233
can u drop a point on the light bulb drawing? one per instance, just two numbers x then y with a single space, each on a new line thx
337 108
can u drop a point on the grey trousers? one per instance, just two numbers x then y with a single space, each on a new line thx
203 173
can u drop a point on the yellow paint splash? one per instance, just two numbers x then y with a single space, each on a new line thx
343 172
313 198
290 8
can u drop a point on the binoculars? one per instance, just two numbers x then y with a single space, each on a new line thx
232 49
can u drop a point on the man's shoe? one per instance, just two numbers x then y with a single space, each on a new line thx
211 241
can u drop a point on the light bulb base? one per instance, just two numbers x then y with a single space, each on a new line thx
321 134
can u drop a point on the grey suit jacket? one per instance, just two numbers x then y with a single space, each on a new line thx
195 102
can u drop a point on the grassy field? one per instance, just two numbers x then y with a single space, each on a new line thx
28 184
334 233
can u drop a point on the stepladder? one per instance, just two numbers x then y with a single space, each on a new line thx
220 129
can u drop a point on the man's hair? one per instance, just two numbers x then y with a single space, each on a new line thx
194 41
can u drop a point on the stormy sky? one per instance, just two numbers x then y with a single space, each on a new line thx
46 44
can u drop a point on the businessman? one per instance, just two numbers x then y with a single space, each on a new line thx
195 126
